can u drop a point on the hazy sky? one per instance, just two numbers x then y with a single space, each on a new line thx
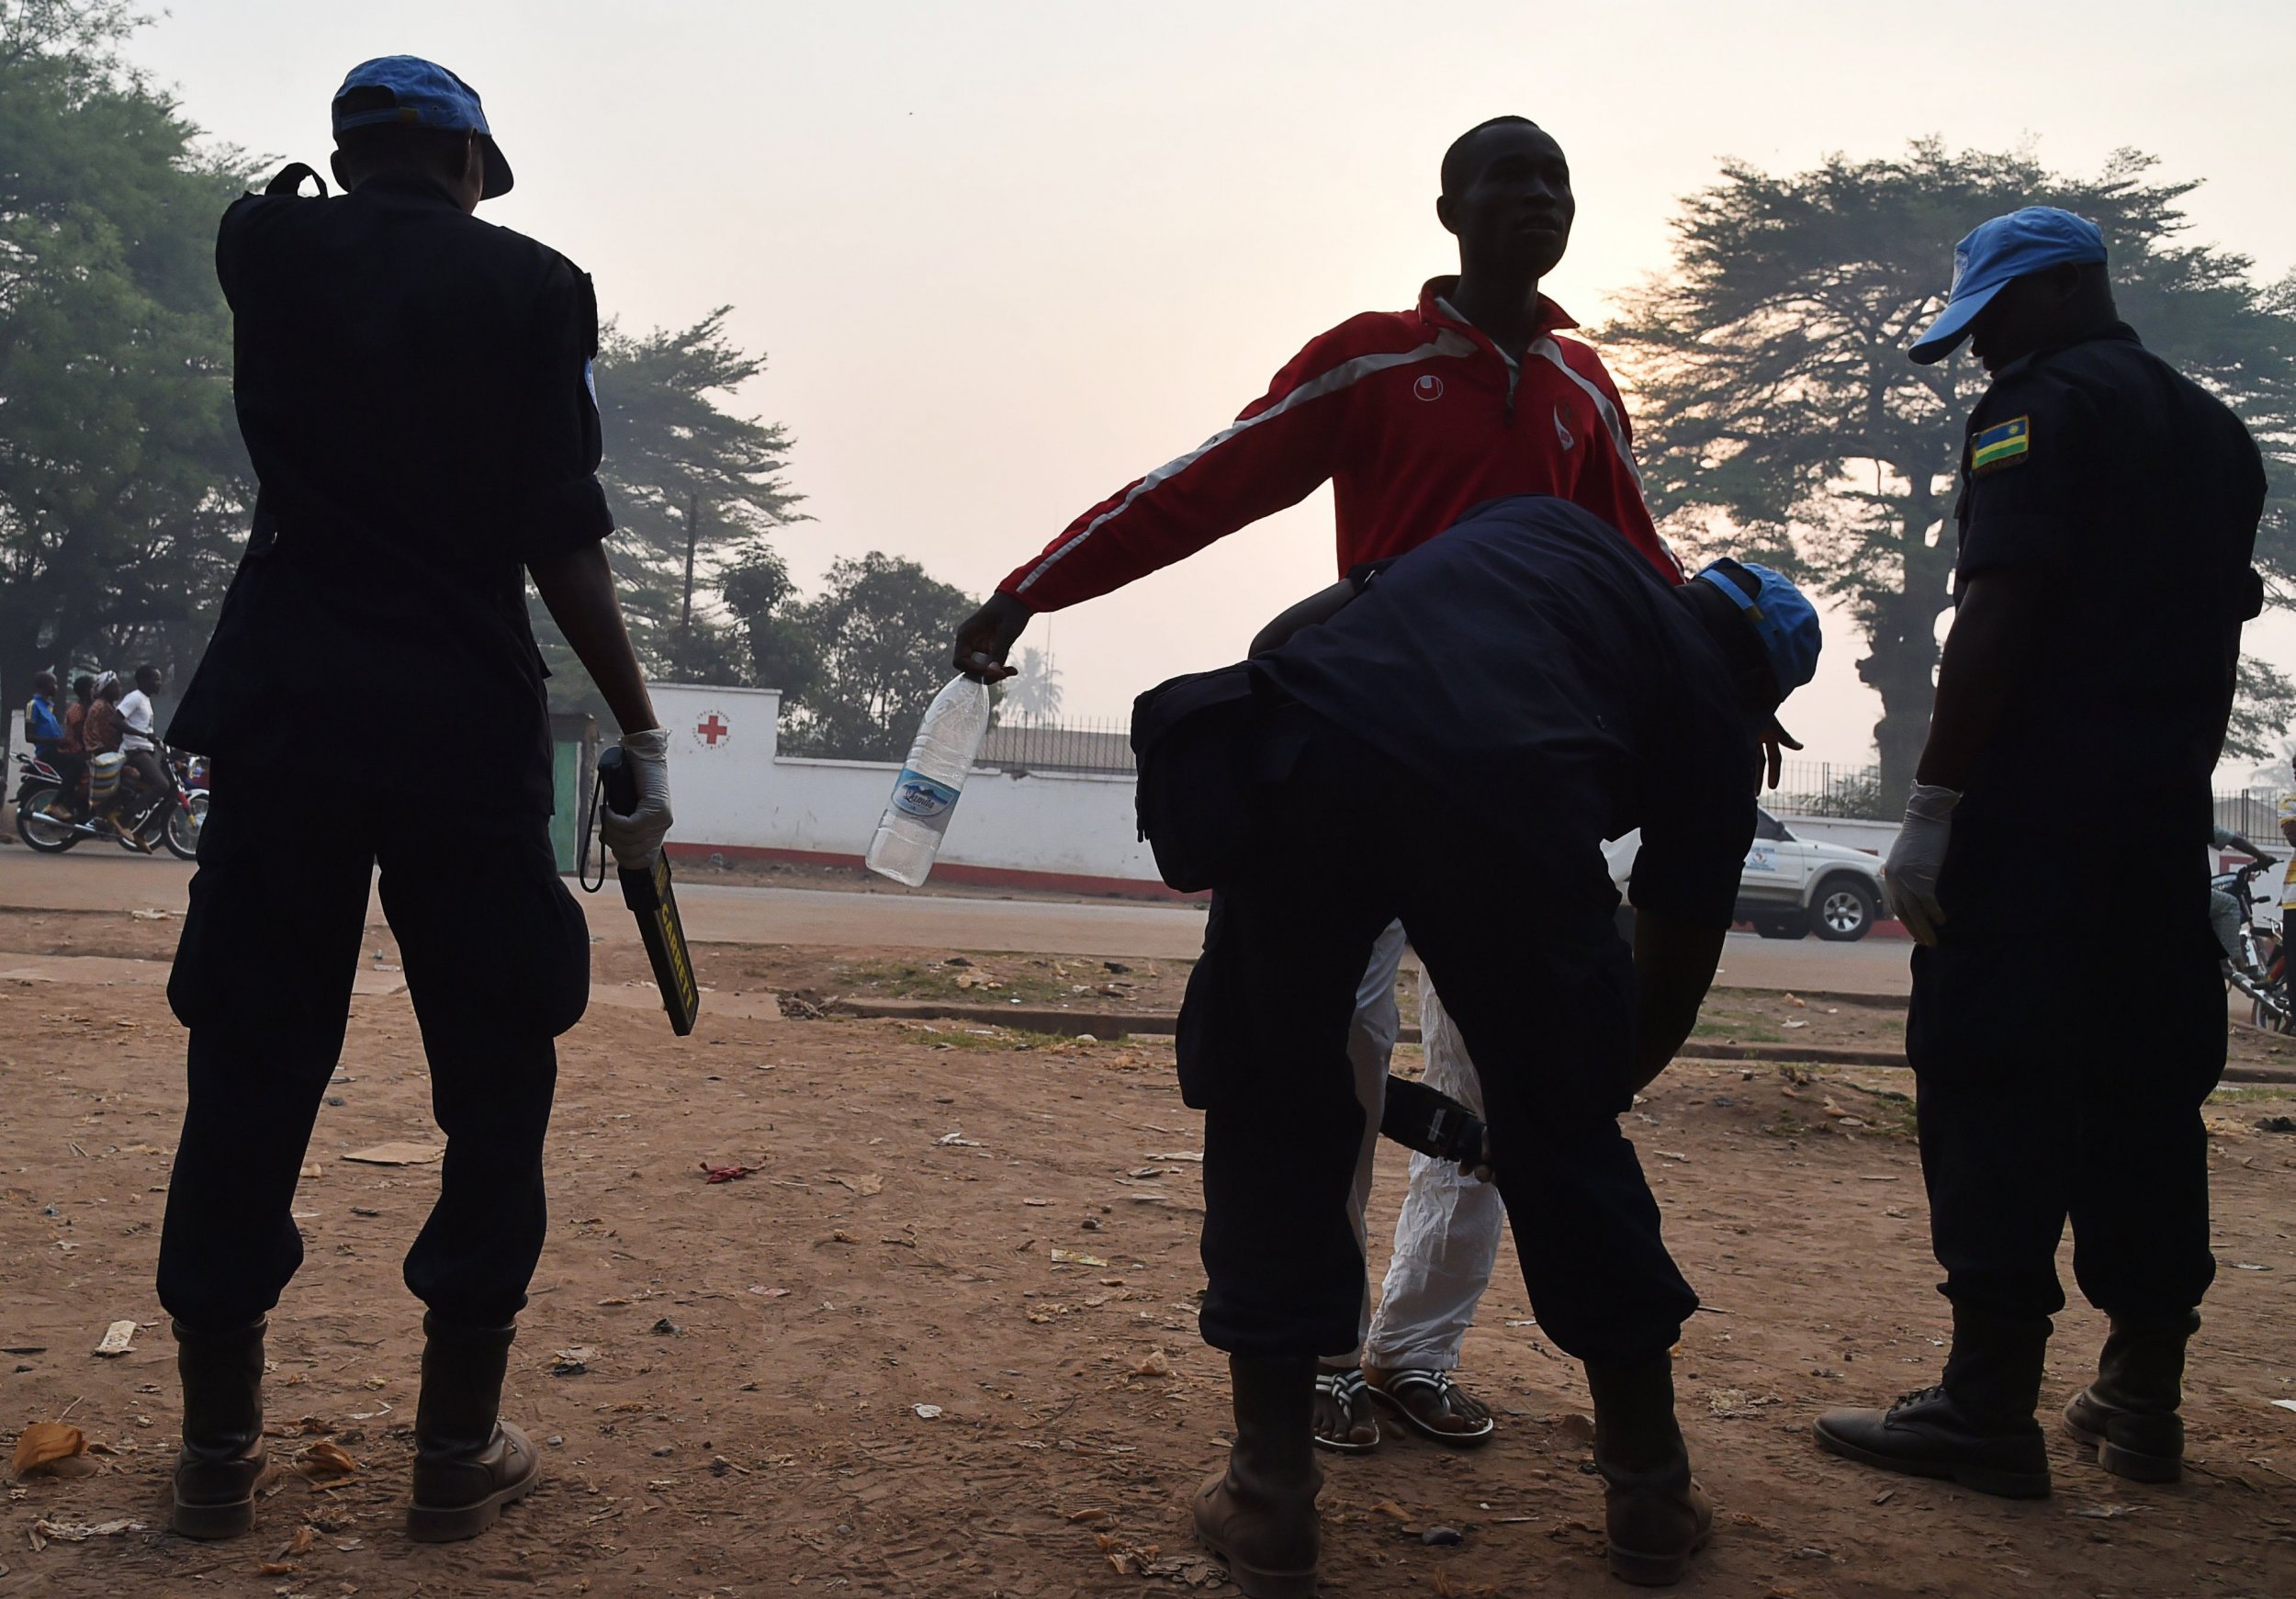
1007 256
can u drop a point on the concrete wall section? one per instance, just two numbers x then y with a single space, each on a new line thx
736 795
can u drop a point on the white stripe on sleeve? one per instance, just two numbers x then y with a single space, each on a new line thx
1551 350
1447 342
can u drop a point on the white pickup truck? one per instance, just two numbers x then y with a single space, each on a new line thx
1790 886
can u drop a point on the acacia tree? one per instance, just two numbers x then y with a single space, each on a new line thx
123 484
695 487
1776 398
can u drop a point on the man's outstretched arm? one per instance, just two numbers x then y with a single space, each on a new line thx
1273 455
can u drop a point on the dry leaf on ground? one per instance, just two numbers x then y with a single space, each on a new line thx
330 1456
45 1443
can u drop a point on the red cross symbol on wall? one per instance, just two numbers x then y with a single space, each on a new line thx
710 728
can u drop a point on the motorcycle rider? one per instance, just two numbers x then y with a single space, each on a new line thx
2224 909
74 746
148 777
103 732
47 734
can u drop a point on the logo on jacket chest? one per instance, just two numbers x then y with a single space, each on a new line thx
1562 430
1429 387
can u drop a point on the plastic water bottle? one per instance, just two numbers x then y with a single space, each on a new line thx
925 795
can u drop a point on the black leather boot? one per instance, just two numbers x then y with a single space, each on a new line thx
1975 1428
468 1463
1258 1515
223 1462
1656 1516
2130 1411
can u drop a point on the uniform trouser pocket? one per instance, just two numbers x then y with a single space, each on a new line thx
263 979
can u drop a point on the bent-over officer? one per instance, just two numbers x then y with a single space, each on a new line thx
412 387
1449 746
2108 511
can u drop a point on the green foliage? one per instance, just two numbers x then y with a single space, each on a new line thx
1777 409
881 628
122 482
695 487
783 652
2264 713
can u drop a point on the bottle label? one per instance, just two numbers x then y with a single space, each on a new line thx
915 794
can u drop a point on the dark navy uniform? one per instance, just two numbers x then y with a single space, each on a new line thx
411 384
2062 1075
1451 750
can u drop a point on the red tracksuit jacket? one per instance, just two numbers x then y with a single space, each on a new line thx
1414 416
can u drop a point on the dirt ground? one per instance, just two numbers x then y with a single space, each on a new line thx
1000 1228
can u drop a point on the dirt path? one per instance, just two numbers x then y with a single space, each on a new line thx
753 1353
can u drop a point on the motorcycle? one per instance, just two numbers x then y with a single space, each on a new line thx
52 821
2259 970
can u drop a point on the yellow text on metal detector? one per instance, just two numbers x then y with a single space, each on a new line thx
655 904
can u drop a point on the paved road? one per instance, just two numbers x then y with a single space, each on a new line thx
86 880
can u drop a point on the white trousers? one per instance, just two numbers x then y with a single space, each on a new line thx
1446 1235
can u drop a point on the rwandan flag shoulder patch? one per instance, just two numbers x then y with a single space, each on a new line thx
2003 445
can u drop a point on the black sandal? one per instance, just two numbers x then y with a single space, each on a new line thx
1343 1404
1407 1393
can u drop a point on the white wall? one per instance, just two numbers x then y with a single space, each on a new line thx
737 792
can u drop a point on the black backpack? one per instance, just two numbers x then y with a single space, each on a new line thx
1208 744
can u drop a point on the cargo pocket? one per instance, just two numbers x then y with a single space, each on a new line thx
546 937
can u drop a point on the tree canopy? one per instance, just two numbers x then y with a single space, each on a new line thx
1777 407
870 651
695 487
123 485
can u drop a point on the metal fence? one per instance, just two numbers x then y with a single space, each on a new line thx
1018 744
2253 813
1821 788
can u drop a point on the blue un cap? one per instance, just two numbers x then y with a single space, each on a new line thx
2030 240
421 94
1784 620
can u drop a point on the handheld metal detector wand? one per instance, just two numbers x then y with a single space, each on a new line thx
652 901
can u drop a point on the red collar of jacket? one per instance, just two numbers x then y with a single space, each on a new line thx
1552 318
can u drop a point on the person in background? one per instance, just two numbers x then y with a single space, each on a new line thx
2107 519
2223 909
102 731
72 749
136 742
1475 393
2288 882
42 725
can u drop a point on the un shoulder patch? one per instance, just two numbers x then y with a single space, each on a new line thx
2006 445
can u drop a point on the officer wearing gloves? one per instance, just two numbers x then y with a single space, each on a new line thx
1446 739
411 385
2108 511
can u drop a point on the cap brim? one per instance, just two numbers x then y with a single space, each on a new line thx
499 177
1952 326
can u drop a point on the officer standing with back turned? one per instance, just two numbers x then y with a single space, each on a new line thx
2107 514
412 387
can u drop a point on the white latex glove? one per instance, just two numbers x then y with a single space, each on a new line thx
635 838
1917 857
